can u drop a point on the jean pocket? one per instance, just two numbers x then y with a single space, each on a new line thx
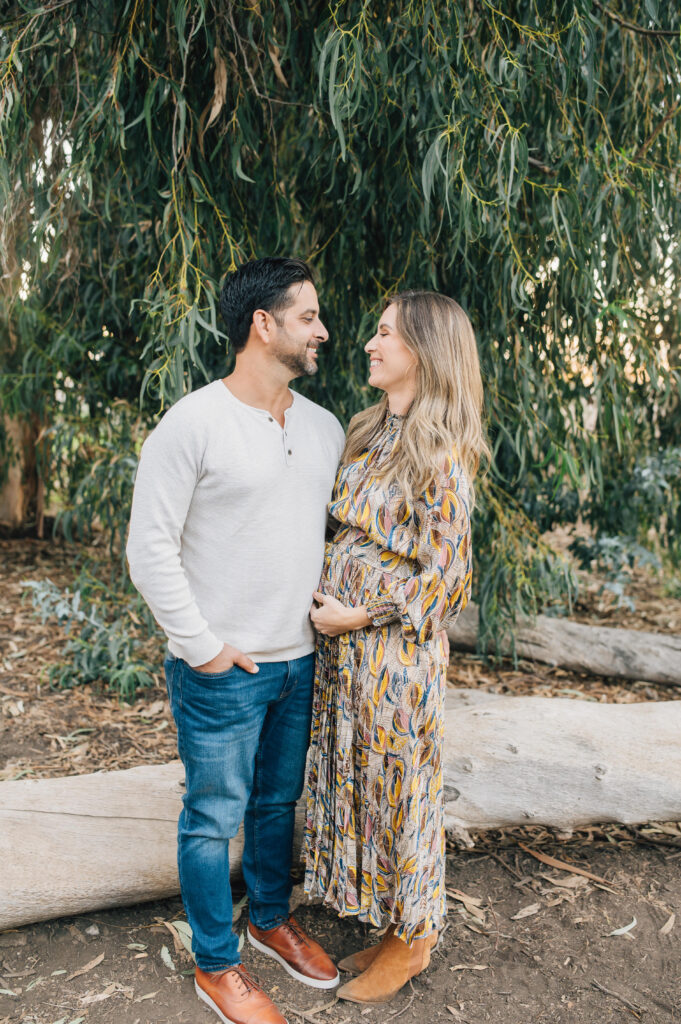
211 699
211 677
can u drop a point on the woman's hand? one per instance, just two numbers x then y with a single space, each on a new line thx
331 618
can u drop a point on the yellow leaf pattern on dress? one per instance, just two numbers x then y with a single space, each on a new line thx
377 655
406 653
379 740
409 867
389 561
380 687
395 783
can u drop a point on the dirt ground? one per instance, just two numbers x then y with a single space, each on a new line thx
526 941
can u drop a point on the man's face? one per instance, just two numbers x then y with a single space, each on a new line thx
300 332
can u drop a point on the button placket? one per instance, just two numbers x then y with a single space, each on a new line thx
288 448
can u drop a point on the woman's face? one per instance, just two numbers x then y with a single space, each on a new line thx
392 366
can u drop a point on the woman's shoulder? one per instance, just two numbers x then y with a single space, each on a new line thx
449 477
450 470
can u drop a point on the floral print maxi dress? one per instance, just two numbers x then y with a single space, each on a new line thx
374 833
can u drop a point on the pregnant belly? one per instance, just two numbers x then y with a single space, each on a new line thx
353 572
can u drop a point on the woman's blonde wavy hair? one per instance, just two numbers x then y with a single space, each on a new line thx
446 413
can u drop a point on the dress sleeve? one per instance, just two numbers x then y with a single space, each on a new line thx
430 600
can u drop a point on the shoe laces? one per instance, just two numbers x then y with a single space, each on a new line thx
296 931
247 983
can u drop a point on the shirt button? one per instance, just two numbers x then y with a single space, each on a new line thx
290 452
270 419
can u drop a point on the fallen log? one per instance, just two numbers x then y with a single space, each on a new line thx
598 650
83 843
557 762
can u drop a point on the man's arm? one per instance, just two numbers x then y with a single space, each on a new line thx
167 476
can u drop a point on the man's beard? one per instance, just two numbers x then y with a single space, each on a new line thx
301 364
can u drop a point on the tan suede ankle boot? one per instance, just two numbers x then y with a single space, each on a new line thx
360 961
393 965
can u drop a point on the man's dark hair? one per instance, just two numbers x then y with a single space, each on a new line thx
258 284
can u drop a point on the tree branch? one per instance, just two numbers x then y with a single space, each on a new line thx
661 33
649 141
542 167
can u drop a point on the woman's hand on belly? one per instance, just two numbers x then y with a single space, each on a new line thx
331 617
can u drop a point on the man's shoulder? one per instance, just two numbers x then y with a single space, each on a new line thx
189 417
194 407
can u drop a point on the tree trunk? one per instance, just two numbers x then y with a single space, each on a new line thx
599 650
83 843
21 488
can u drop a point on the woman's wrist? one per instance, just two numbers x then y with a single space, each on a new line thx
358 618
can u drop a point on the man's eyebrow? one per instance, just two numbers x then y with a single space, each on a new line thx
305 313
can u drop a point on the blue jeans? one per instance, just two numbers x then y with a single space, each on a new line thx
242 739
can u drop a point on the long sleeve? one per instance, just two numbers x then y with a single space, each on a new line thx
167 476
430 600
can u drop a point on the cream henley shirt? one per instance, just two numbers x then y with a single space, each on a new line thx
227 527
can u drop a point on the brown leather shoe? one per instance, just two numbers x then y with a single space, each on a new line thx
301 956
235 997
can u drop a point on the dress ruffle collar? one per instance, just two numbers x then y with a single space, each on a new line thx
394 422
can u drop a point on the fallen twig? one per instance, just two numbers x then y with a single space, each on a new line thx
309 1015
615 995
500 860
439 938
405 1008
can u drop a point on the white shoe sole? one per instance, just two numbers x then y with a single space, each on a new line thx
209 1002
303 978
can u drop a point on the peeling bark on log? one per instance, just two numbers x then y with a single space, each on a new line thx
83 843
599 650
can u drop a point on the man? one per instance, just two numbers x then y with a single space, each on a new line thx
226 546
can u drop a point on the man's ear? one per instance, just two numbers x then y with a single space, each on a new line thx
262 322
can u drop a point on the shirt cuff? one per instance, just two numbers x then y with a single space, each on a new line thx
196 650
381 611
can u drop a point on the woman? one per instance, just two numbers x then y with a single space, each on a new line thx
396 574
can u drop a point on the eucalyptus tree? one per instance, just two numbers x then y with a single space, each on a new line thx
522 157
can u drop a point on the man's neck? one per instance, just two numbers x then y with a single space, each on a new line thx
254 386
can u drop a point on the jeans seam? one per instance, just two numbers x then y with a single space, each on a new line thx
180 676
256 844
177 686
286 693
